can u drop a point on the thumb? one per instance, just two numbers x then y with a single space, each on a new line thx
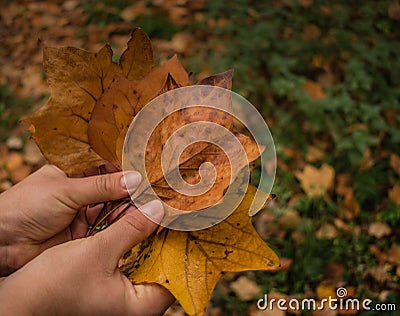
131 229
111 186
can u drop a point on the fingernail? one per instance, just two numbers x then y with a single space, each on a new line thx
153 209
131 179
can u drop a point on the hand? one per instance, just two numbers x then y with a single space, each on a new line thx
81 277
48 208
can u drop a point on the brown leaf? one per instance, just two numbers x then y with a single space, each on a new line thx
395 163
379 230
314 154
311 32
394 194
195 154
154 84
314 90
394 11
222 80
367 160
306 3
137 60
325 290
13 161
111 115
77 79
326 231
132 11
394 254
349 207
316 182
343 184
231 246
245 288
290 220
220 161
182 42
151 85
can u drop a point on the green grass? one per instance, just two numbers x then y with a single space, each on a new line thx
11 110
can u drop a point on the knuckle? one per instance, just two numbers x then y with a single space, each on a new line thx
103 184
137 222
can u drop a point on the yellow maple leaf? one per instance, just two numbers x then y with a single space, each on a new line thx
189 264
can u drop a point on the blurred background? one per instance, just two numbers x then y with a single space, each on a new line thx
326 77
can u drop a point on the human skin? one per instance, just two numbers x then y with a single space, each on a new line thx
57 270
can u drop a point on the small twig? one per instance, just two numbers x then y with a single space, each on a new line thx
108 209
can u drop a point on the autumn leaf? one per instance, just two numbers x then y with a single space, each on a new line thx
189 264
219 159
111 115
222 80
194 155
151 85
78 79
394 193
115 110
169 76
245 288
314 89
379 229
173 122
316 182
349 207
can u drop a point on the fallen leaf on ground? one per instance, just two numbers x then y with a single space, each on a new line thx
13 161
379 230
343 184
245 288
326 231
394 11
316 182
314 154
290 220
394 194
394 254
311 32
325 290
349 207
306 3
367 160
314 90
395 163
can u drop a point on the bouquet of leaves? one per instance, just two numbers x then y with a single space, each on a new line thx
83 127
